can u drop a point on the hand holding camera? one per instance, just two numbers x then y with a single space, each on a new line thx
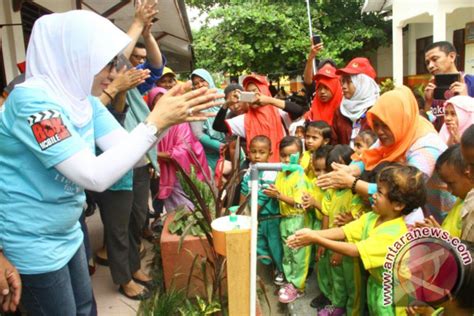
245 96
316 46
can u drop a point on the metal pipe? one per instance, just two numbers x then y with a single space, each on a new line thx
311 34
254 169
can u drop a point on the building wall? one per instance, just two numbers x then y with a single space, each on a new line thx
415 31
454 21
469 59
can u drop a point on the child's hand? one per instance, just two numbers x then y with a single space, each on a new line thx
423 310
301 238
336 259
432 222
320 253
307 201
343 219
428 222
272 192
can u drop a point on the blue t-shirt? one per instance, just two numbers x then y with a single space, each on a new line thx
155 74
39 207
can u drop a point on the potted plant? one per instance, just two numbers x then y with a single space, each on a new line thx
189 259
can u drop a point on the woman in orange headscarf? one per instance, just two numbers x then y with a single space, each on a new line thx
328 95
405 137
265 116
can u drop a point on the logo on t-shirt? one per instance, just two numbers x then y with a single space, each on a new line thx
48 128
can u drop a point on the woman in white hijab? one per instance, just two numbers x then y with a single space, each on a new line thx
49 128
360 93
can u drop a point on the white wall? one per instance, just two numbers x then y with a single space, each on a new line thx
415 31
13 47
384 64
457 20
469 59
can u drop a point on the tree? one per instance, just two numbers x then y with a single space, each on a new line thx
271 37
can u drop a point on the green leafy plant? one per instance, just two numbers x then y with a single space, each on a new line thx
183 221
419 89
209 203
386 85
233 40
163 303
199 307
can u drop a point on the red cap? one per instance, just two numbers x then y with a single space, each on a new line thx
327 71
359 65
253 78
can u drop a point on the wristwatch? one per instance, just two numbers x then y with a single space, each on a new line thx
152 128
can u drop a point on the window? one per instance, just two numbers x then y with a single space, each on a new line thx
421 43
458 42
30 12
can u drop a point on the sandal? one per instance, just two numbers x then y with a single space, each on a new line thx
148 284
145 294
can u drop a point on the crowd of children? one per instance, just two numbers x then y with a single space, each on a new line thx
344 234
351 233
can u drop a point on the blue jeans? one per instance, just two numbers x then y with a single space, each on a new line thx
67 291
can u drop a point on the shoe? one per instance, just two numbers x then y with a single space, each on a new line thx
331 310
320 302
283 288
279 278
101 257
150 284
289 294
145 294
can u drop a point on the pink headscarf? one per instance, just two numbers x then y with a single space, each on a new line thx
152 96
464 107
183 147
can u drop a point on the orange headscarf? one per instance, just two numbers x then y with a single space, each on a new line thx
399 111
325 110
264 120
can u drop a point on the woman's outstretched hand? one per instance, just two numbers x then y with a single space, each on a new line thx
181 104
340 178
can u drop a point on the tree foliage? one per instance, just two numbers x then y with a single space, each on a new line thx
272 37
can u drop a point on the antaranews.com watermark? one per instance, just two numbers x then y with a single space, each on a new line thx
423 251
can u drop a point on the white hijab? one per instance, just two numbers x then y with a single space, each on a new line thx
366 93
65 52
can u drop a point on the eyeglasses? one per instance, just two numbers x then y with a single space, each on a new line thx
113 63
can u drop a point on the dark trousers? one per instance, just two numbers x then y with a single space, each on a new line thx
67 291
123 214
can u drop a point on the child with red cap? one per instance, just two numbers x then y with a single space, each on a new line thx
360 93
328 95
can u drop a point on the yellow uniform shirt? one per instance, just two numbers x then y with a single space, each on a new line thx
453 222
305 162
316 192
336 202
292 185
358 207
373 248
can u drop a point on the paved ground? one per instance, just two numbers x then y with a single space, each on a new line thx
301 307
112 303
275 308
109 300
